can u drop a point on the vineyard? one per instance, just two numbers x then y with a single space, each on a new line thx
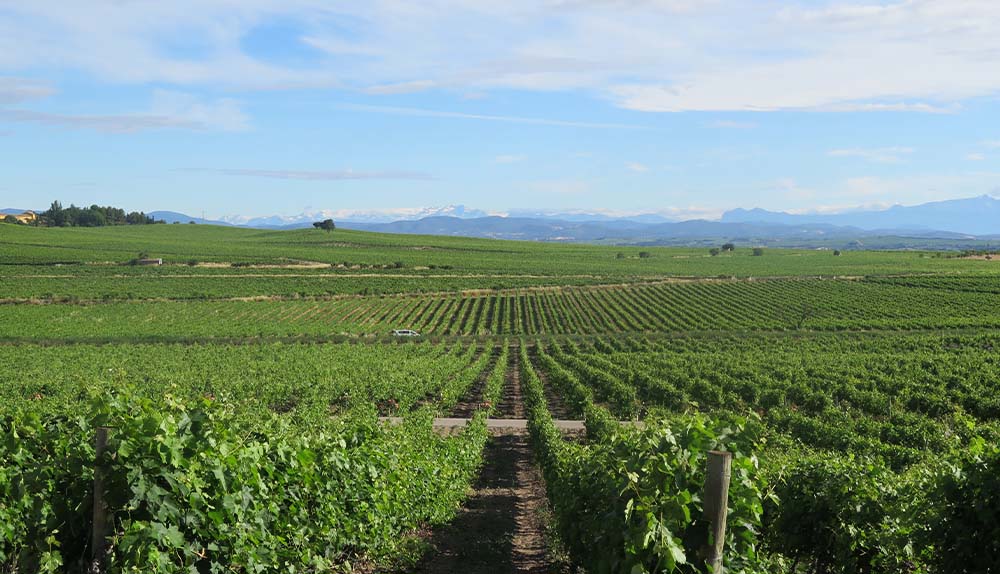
722 305
260 417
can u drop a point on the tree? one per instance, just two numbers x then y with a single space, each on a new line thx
798 316
836 253
91 218
758 251
645 255
713 251
728 247
138 218
10 219
56 215
620 255
327 224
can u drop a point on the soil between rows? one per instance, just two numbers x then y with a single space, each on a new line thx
502 528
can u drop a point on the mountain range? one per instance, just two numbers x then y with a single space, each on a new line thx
973 216
957 223
940 224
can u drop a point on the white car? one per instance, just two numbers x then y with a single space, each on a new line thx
405 333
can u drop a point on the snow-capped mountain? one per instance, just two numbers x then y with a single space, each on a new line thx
360 216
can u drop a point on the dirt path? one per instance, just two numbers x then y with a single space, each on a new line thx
511 402
501 528
557 406
472 400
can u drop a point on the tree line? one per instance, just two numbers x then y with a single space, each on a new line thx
93 216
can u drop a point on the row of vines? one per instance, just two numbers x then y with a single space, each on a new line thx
701 306
275 463
877 454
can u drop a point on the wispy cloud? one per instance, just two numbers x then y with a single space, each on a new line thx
509 158
877 155
224 114
306 175
168 110
400 88
661 55
843 56
17 90
120 124
995 144
975 157
636 167
419 112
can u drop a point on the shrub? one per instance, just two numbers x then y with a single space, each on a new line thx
967 529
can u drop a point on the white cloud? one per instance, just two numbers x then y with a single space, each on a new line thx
877 155
647 55
975 157
636 167
508 158
992 143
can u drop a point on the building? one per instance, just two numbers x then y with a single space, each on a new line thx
27 217
156 261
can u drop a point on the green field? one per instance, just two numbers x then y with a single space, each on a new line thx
244 378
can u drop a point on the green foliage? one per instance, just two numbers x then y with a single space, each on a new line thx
839 514
872 459
326 225
630 500
93 216
192 488
966 531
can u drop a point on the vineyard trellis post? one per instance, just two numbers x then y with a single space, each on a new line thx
717 504
98 544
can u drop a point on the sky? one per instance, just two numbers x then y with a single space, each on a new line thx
679 107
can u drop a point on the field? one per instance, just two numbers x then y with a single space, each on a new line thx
263 419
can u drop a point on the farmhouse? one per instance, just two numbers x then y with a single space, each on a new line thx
27 217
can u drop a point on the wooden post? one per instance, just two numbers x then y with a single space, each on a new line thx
717 504
98 541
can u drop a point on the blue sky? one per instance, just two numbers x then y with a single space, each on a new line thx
683 107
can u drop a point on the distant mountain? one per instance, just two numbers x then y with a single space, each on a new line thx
693 232
581 216
175 217
12 211
306 219
973 216
952 224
